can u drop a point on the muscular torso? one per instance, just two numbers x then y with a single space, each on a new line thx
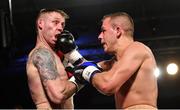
37 89
141 87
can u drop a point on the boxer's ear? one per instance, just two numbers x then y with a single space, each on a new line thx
119 31
40 23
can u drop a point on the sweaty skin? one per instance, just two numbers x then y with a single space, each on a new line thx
50 75
130 77
47 78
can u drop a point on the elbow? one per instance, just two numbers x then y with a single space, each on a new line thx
56 94
56 97
106 89
59 98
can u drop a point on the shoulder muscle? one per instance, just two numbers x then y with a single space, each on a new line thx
44 61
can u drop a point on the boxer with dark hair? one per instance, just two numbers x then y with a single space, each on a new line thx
129 75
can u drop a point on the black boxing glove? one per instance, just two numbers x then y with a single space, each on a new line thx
66 44
79 85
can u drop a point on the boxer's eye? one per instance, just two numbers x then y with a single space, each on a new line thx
103 30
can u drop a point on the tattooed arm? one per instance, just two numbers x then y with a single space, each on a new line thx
56 88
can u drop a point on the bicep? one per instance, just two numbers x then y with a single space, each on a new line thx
127 65
44 61
120 71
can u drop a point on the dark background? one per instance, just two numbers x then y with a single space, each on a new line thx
157 24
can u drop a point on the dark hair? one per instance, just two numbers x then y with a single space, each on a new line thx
115 15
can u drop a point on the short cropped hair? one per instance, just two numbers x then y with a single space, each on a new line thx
44 11
114 19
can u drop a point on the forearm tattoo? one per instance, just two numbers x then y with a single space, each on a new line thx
45 63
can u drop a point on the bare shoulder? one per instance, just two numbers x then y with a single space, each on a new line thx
44 61
137 51
39 54
139 47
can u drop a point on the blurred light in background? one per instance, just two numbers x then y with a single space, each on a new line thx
172 68
157 72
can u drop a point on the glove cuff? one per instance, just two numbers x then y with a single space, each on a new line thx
74 57
89 72
78 85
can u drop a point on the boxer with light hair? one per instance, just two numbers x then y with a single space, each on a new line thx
48 80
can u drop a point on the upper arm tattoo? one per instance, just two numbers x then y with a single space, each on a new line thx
45 63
